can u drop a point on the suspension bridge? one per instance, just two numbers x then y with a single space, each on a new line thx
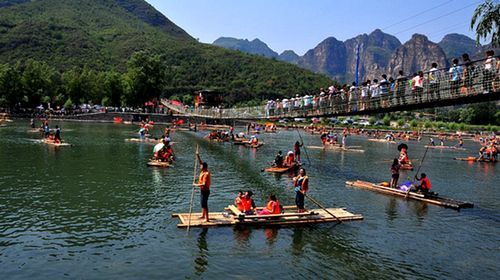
475 82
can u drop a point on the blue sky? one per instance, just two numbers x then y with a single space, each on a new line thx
300 25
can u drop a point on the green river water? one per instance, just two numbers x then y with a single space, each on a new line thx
96 211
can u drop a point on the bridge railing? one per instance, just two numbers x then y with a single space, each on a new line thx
474 78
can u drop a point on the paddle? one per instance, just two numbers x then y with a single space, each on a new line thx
418 169
192 192
322 207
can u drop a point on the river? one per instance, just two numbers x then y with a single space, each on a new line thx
96 211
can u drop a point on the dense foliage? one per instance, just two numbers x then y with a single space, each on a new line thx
78 46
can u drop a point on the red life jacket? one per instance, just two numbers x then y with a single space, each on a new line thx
426 184
247 204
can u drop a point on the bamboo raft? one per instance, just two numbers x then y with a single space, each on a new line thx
441 201
445 147
337 148
233 217
52 143
475 159
145 140
280 170
157 163
381 141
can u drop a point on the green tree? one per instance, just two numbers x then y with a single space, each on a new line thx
146 76
486 21
37 81
10 84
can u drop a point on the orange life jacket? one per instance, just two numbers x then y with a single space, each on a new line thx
277 209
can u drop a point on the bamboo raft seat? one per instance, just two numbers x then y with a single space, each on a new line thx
437 200
233 217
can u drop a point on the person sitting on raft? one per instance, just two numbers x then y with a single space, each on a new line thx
253 141
248 203
278 160
403 157
460 142
482 152
272 207
395 173
425 185
431 142
290 159
238 201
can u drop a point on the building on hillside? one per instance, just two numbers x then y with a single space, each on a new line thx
207 99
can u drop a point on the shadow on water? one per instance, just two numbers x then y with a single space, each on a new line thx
201 259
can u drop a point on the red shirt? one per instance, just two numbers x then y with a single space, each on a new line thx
425 183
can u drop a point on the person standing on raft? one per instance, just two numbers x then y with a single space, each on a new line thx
296 149
395 173
301 184
204 184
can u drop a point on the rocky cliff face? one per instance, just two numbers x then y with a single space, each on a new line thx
415 55
380 53
329 58
289 56
255 46
375 51
454 45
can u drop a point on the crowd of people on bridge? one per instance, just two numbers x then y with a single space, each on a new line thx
464 77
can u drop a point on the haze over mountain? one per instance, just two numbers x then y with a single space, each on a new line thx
103 34
382 53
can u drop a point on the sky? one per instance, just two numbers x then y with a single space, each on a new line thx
300 25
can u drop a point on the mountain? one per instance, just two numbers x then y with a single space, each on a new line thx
289 56
102 35
375 50
329 58
454 45
415 55
381 53
255 46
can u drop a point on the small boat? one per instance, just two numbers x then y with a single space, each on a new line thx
381 141
338 148
437 200
445 147
475 159
233 217
157 163
280 170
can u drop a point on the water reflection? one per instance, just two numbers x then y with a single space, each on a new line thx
201 259
298 241
390 210
271 235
